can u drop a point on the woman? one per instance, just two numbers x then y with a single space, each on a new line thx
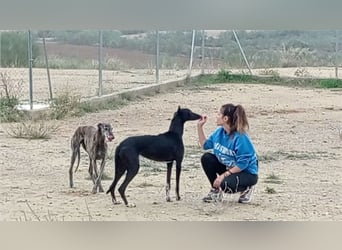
233 165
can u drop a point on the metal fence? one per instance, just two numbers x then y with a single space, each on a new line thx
97 70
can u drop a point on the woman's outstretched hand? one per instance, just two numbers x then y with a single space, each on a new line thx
202 121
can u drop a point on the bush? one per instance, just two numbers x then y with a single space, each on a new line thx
330 83
8 110
9 99
227 76
65 104
32 130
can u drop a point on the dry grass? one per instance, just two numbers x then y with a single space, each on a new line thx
272 178
269 72
31 130
270 190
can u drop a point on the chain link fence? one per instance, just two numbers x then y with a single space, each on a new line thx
69 60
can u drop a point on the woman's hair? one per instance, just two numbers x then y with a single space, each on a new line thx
237 117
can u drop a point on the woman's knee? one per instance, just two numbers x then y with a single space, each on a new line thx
207 159
230 184
238 182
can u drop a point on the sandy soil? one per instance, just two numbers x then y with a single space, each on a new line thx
295 132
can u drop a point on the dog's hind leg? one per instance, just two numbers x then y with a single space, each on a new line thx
168 180
178 172
131 173
75 152
129 161
119 171
95 176
78 158
91 171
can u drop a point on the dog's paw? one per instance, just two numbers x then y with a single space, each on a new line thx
130 205
94 191
168 199
178 198
116 202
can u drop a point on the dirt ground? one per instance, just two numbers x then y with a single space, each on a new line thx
85 83
295 131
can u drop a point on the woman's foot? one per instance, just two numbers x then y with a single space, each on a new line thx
246 196
215 195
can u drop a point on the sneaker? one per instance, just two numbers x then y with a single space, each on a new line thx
215 195
246 196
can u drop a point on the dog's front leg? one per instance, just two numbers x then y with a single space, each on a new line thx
168 181
91 169
98 181
178 172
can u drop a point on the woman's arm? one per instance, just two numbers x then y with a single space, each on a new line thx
232 170
220 178
201 136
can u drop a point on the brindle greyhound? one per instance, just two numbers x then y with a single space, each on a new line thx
94 143
167 147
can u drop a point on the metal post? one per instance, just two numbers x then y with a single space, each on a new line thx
100 63
243 53
157 56
29 49
192 51
0 49
336 54
202 59
47 69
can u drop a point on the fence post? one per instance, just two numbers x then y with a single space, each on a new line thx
157 56
202 59
242 52
29 50
47 68
336 53
100 63
192 51
0 48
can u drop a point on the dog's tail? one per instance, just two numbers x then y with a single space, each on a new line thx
116 158
109 189
116 162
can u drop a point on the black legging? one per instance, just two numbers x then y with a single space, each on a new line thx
233 183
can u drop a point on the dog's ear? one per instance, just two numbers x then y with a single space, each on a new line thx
179 108
99 125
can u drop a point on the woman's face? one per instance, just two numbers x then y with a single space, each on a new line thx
220 118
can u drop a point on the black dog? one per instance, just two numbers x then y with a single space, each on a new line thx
166 147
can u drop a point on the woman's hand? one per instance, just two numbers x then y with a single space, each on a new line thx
218 181
201 121
201 135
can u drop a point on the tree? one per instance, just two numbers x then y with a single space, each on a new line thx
14 49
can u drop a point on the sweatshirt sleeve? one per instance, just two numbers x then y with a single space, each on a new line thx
244 150
209 143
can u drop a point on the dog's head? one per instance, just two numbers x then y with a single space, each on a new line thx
187 115
106 130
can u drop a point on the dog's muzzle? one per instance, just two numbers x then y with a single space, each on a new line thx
110 137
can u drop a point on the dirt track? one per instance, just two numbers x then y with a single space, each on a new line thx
295 132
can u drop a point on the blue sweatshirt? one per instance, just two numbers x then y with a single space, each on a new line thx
236 151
